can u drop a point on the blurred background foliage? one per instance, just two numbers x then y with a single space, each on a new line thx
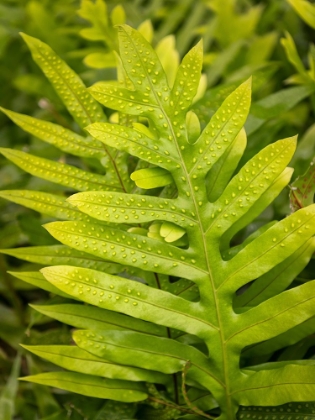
270 40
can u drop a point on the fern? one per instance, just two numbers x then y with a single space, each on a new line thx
185 315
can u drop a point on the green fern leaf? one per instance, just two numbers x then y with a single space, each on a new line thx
288 338
66 140
45 203
96 14
126 296
8 393
134 142
78 360
218 280
151 178
279 278
182 272
112 207
305 9
38 280
222 171
60 173
81 105
169 355
92 386
66 82
59 254
81 316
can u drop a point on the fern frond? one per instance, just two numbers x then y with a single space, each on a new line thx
181 271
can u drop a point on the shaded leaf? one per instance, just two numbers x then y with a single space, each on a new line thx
162 354
91 386
305 9
86 316
131 248
78 360
8 394
38 280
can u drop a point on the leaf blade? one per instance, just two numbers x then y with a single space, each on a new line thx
59 255
272 247
91 386
142 208
278 386
66 140
66 82
128 297
78 360
99 243
8 394
50 204
60 173
82 316
161 354
288 309
212 143
133 142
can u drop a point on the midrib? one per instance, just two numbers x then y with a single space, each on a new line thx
192 195
213 290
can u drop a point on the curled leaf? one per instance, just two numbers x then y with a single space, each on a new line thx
151 178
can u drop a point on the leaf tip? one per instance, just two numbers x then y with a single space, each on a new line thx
74 200
48 273
49 226
4 194
292 141
248 82
29 40
199 45
4 110
94 90
24 346
124 27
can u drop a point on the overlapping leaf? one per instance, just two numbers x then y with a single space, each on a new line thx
65 139
78 360
58 254
305 9
59 173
